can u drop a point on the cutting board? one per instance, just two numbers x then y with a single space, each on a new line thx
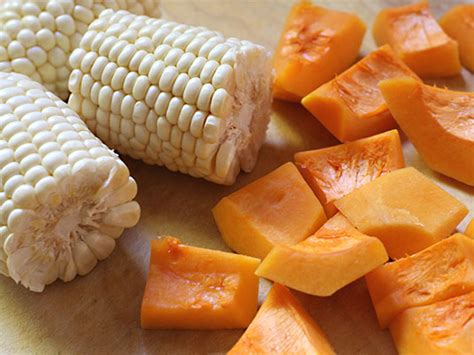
99 313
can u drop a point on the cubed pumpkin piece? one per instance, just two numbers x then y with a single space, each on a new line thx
325 262
316 44
458 23
404 209
418 40
282 326
279 208
441 328
351 105
335 171
470 229
442 271
439 123
195 288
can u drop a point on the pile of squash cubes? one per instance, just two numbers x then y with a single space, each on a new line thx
340 213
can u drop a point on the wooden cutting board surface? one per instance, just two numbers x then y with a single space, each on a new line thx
99 313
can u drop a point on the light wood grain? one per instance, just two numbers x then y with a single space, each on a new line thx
99 313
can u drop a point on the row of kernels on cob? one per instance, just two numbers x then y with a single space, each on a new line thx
37 37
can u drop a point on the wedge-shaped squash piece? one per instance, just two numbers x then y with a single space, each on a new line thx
282 326
194 288
442 271
441 328
404 209
316 44
418 40
335 171
351 105
470 229
279 208
439 122
325 262
458 23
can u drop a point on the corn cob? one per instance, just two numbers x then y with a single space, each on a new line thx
64 196
38 36
172 94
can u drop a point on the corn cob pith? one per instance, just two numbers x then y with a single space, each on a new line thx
37 36
64 196
173 94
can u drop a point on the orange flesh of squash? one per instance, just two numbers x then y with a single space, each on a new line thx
335 171
418 40
282 326
195 288
315 45
458 23
443 131
404 209
470 229
325 262
441 328
442 271
279 208
351 106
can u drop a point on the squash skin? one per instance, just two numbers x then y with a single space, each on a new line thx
255 218
404 209
445 327
443 132
325 262
442 271
418 40
351 105
316 44
195 288
458 23
282 326
470 229
334 172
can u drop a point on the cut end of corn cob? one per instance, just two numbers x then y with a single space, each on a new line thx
64 196
173 94
38 36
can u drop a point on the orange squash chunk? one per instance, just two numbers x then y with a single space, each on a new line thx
351 105
335 171
418 40
443 131
282 326
470 229
404 209
458 23
316 44
442 271
194 288
279 208
441 328
325 262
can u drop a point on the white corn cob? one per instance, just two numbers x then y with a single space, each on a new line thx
64 196
172 94
37 36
